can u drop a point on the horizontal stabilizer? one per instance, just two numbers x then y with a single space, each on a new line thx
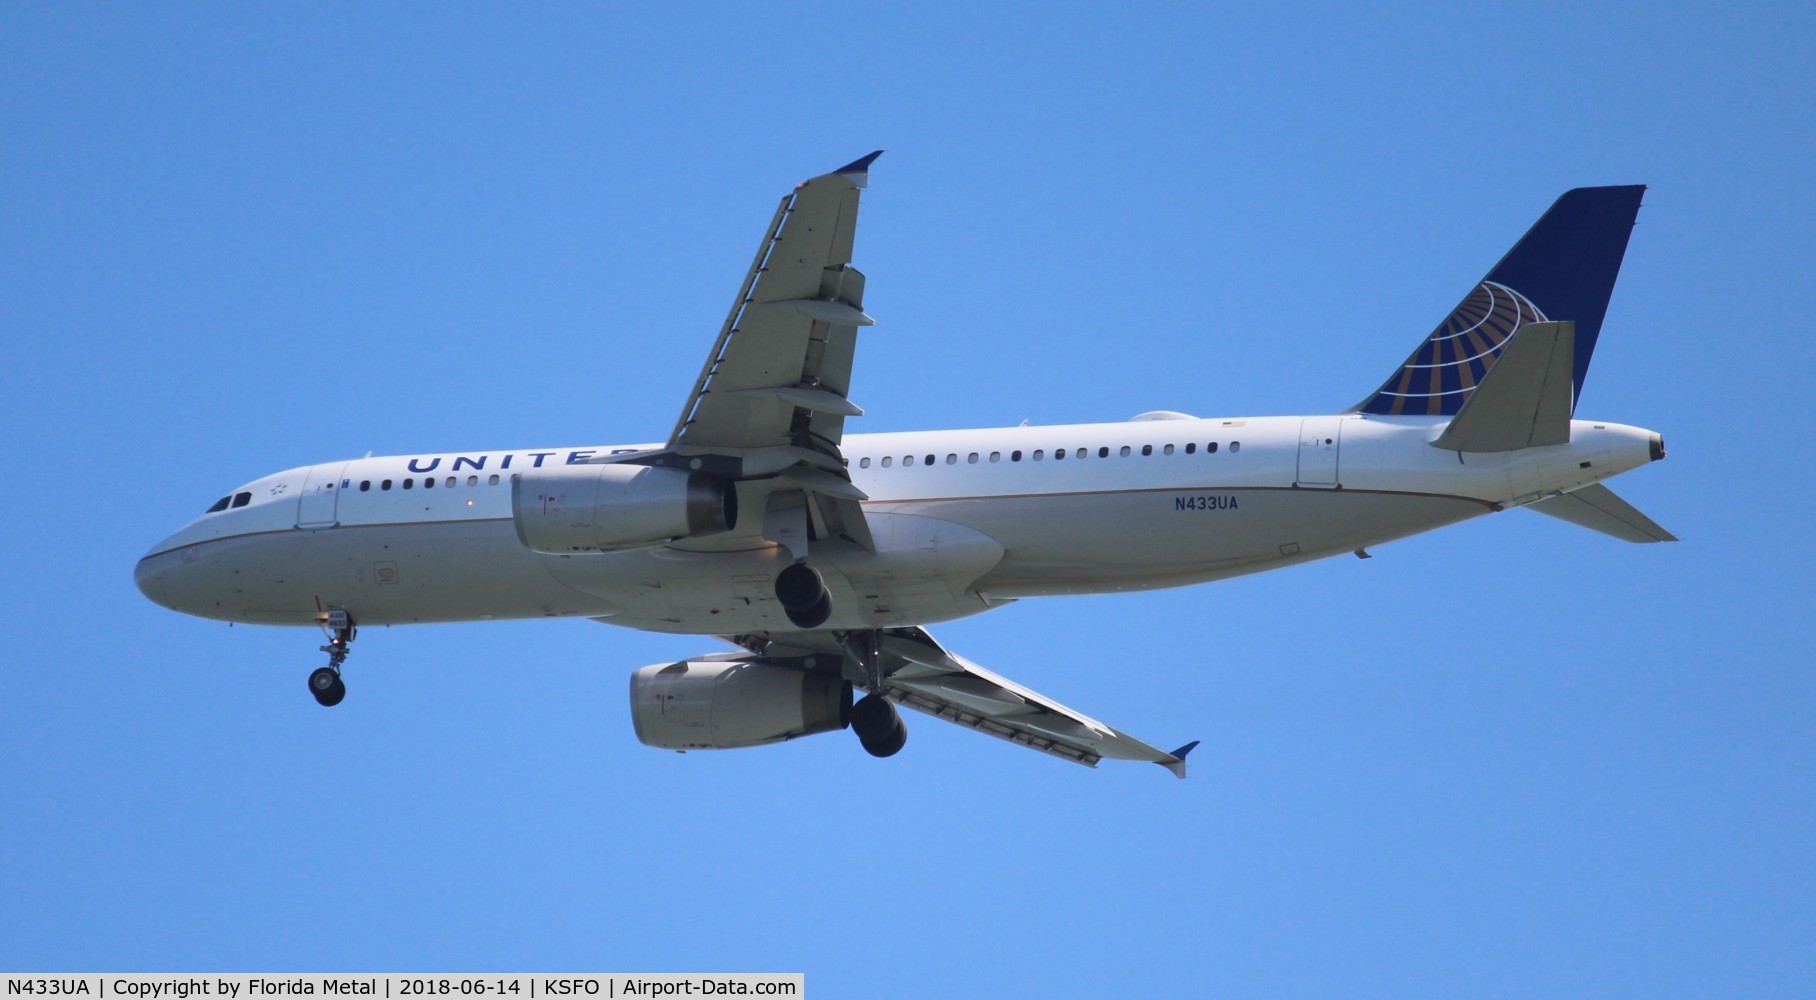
1177 764
1597 508
1524 401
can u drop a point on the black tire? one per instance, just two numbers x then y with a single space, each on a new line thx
890 743
872 716
879 726
799 587
812 617
327 687
804 596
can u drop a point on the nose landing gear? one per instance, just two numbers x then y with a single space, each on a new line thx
327 687
325 682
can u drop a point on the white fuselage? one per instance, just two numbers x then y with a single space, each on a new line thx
962 520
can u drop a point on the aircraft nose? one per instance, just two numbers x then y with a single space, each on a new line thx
159 578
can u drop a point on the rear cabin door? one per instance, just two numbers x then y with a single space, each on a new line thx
1319 440
319 503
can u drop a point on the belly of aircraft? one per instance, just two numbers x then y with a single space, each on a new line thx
936 561
1087 543
479 570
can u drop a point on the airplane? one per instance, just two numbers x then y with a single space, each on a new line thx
820 557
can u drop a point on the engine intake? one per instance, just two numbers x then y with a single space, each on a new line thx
739 701
599 508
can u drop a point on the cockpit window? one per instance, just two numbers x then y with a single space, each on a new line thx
220 505
241 500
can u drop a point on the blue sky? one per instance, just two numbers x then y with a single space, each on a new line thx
1510 758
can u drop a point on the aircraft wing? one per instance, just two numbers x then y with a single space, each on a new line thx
779 374
922 675
771 401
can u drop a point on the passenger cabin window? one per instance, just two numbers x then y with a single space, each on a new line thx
1103 452
887 459
385 485
1125 451
1211 449
1167 450
1147 449
1015 456
493 481
951 459
1235 446
365 485
930 459
220 505
409 483
1190 447
863 463
907 459
428 482
971 459
1039 453
449 482
996 456
241 500
472 480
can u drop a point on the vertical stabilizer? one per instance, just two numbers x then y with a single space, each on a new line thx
1563 269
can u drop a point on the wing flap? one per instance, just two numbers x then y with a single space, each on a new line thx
922 675
979 700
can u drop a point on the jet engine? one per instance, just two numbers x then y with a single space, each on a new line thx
598 508
718 703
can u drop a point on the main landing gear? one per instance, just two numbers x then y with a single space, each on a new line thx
325 683
879 726
874 718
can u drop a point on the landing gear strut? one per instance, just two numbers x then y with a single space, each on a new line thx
325 682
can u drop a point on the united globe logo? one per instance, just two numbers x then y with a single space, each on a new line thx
1453 360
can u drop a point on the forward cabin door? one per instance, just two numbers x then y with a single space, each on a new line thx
318 505
1319 440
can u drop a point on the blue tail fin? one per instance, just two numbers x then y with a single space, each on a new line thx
1562 269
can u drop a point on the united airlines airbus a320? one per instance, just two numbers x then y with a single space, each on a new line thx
820 555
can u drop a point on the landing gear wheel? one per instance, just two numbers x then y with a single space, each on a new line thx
325 683
327 687
879 726
803 596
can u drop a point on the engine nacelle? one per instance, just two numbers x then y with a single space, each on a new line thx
598 508
738 701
